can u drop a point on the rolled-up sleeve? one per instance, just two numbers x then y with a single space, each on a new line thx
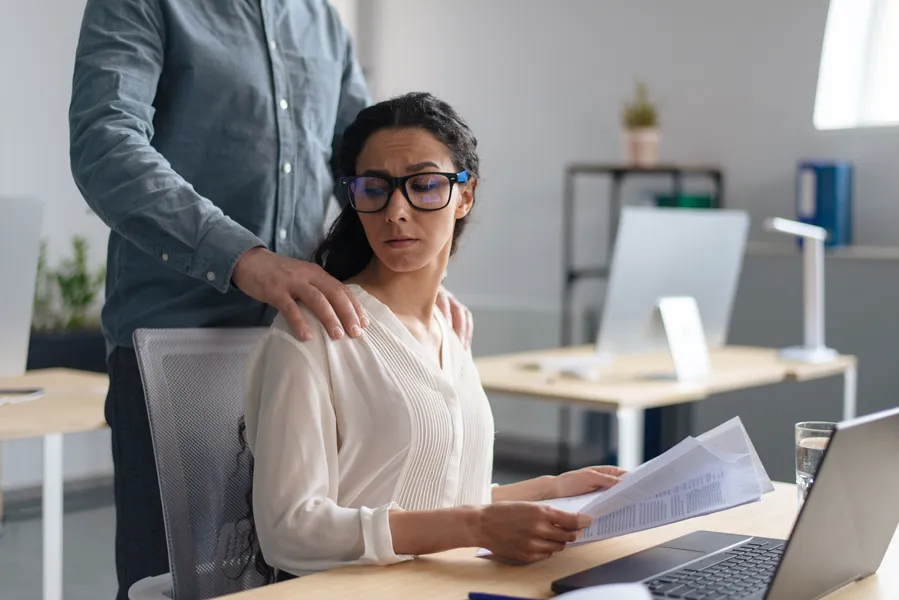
123 178
292 429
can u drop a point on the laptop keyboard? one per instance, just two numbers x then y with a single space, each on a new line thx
741 571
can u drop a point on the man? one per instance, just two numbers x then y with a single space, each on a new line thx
201 133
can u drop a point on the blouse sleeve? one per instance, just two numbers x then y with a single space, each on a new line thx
292 430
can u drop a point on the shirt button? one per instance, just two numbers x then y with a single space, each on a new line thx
283 104
210 276
272 45
287 168
165 257
282 234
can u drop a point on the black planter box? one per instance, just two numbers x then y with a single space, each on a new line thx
82 350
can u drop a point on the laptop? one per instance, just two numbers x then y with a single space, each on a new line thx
20 239
841 535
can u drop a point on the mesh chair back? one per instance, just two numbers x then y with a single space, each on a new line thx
193 381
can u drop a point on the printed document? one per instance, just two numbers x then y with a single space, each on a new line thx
713 472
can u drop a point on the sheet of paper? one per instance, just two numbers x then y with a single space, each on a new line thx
613 591
731 437
718 488
715 471
576 504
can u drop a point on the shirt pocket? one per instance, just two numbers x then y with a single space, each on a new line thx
318 96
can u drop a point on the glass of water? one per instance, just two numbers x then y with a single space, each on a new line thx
812 438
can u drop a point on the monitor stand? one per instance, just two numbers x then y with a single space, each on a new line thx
679 317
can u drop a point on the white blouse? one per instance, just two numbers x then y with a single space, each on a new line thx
344 431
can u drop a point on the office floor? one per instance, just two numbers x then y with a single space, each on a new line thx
89 571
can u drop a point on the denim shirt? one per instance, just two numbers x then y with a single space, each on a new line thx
200 129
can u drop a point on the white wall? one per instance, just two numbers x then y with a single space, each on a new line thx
37 46
37 53
542 83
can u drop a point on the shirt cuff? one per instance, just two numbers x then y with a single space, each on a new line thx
220 250
377 538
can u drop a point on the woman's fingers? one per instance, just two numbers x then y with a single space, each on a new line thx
601 480
552 533
609 470
566 520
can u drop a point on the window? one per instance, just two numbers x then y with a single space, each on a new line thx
858 81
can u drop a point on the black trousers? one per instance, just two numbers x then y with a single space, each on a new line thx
140 543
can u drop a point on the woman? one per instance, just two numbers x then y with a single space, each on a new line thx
379 448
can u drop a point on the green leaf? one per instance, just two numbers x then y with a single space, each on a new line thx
73 284
640 113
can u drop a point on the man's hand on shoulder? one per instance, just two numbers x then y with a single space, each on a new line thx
281 281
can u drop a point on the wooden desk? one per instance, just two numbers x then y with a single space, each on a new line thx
451 575
72 402
631 384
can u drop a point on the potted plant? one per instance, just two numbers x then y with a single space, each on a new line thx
65 326
640 135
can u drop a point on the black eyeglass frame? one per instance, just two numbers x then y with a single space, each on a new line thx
400 182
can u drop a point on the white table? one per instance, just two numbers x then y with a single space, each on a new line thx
73 402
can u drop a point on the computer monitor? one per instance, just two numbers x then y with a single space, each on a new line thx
20 235
661 252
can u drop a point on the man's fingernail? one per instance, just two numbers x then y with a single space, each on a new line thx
355 331
337 333
306 335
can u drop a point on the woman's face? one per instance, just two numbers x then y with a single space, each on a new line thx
403 238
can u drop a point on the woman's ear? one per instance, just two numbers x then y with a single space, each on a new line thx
466 198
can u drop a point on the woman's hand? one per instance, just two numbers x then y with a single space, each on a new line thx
582 481
527 532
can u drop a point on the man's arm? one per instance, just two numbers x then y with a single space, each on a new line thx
129 184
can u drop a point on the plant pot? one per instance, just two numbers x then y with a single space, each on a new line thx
82 350
641 146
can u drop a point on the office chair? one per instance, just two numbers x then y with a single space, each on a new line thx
193 382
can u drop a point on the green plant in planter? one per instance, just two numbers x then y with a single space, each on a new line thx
64 298
640 113
78 287
42 318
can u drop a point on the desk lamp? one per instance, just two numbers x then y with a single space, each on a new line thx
813 350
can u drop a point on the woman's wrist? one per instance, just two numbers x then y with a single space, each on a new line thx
471 530
425 532
549 485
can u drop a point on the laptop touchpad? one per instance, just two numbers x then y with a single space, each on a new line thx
635 567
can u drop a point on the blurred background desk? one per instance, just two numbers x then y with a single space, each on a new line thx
632 384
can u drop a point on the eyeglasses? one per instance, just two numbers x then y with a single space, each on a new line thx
424 191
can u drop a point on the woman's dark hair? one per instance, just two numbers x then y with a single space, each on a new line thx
252 540
345 250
